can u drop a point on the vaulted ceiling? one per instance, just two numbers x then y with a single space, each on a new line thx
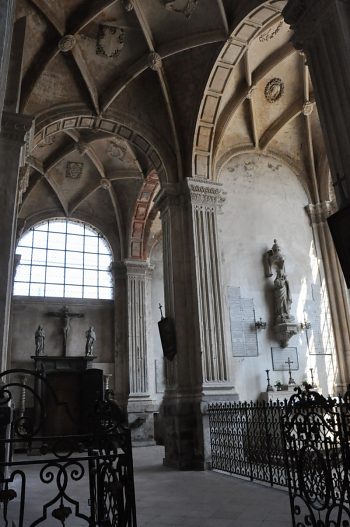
128 91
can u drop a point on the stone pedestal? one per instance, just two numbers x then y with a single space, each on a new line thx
285 331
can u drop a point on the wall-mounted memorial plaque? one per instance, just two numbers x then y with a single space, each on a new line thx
280 357
242 324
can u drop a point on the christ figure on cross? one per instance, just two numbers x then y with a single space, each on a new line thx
65 316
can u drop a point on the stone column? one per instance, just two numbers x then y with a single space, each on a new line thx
336 288
7 8
121 361
12 139
140 405
193 300
322 31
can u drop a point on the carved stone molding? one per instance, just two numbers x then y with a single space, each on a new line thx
308 107
23 182
319 212
271 32
127 4
74 170
251 91
205 193
14 127
285 331
139 268
110 41
106 183
67 43
185 7
171 194
154 61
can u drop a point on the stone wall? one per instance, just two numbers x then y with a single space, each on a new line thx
29 312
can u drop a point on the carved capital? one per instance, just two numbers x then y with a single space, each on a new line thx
319 212
169 195
15 127
205 193
138 268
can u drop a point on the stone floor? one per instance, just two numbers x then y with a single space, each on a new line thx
169 498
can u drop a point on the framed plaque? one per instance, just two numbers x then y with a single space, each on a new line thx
280 358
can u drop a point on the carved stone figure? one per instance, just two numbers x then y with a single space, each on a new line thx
90 341
39 341
282 296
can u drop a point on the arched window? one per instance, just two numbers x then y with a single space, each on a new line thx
63 258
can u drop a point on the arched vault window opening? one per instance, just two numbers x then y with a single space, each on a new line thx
64 258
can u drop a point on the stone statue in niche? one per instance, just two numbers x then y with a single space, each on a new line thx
283 299
284 325
90 341
39 341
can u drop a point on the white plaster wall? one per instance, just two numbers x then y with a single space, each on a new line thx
265 200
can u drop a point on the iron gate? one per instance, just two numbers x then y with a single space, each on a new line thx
71 480
316 437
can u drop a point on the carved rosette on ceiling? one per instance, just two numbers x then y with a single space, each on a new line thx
127 4
185 7
154 61
74 170
106 184
274 90
67 43
110 41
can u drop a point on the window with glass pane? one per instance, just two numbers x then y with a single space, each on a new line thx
63 258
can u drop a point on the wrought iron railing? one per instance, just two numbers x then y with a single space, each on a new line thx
246 440
303 443
70 480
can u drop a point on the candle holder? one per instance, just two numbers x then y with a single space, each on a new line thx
291 381
269 388
259 324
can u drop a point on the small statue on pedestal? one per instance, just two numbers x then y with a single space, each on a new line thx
39 341
90 341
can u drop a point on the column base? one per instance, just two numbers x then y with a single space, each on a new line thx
141 420
185 422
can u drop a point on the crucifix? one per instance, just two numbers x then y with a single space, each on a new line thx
65 316
290 362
